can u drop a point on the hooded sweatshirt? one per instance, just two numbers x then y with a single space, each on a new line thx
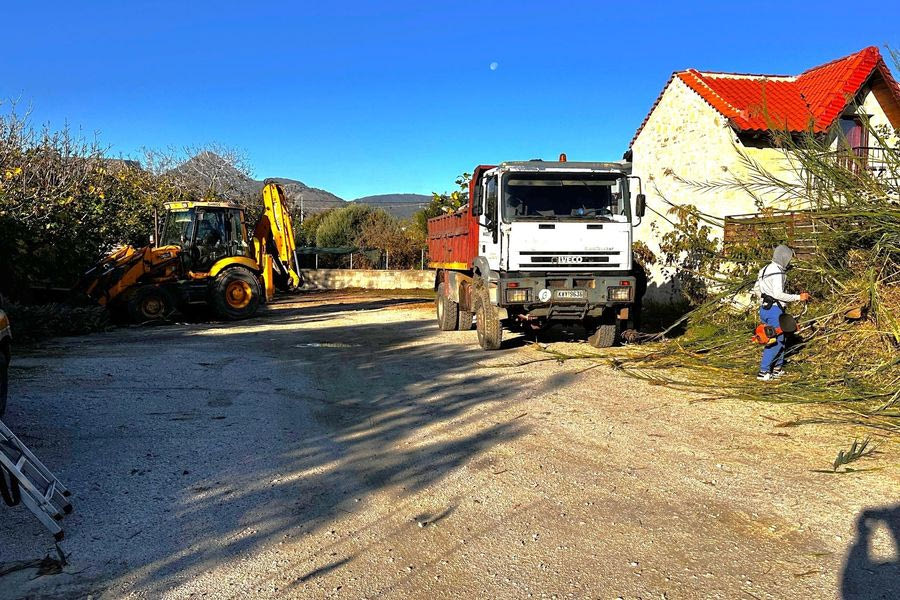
770 281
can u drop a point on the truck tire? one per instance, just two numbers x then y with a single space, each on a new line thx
606 335
447 311
490 333
235 294
464 322
4 375
149 303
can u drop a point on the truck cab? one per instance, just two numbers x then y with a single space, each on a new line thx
205 232
540 242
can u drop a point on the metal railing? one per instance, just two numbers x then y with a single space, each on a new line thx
863 158
868 161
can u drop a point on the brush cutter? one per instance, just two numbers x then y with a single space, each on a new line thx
767 335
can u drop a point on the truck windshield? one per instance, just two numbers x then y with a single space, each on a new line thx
178 228
565 196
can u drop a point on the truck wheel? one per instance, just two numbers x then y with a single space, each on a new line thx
149 303
490 334
447 311
606 335
464 323
4 376
235 294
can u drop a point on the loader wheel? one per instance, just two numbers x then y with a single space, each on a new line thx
607 333
149 303
4 377
490 334
447 310
235 294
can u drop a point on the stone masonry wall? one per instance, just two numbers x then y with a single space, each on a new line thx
685 138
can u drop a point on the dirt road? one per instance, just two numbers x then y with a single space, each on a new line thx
346 448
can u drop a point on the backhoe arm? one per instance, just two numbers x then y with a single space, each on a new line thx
274 235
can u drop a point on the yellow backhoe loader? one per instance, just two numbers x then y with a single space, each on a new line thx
204 255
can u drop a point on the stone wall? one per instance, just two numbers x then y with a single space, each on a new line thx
338 279
686 140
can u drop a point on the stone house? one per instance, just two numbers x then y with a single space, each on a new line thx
703 121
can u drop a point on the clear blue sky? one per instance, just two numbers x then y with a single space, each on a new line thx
376 97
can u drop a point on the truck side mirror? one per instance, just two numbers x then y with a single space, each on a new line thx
477 208
640 205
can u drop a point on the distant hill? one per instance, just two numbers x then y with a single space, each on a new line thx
209 171
314 200
402 206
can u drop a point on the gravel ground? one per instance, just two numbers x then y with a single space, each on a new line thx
341 446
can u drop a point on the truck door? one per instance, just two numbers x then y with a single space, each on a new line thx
489 236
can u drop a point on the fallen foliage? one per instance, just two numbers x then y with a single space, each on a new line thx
35 322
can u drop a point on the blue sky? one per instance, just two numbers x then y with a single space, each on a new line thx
377 97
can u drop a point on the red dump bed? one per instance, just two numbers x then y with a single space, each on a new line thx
453 240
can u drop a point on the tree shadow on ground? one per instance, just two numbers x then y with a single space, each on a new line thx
865 577
370 409
201 314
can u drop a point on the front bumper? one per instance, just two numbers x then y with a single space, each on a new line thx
565 294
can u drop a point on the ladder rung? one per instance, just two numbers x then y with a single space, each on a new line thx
41 491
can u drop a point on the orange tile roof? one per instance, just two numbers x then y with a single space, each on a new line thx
809 101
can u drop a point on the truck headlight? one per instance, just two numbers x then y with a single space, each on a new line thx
619 294
518 295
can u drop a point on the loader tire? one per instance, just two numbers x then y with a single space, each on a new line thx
235 294
4 376
149 303
447 310
487 324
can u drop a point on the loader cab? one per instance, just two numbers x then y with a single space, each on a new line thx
206 233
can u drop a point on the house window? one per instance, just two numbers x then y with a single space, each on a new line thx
854 141
855 134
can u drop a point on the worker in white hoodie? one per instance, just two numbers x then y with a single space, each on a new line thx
770 289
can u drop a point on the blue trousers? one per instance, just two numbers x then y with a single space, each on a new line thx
772 356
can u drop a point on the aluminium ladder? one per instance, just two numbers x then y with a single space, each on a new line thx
23 477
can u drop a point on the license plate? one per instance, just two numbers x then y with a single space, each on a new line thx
570 294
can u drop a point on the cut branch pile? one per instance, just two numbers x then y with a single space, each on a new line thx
848 351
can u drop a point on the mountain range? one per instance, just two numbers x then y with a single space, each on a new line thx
209 171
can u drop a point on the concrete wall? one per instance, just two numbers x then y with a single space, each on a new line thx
337 279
